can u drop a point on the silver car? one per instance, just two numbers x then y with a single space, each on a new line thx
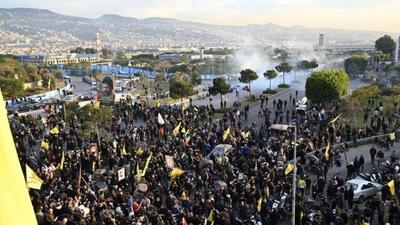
363 189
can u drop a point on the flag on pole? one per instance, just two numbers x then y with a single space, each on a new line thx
327 149
211 216
336 118
15 204
138 172
289 169
176 172
32 180
226 133
391 187
139 152
62 161
259 204
147 164
175 132
123 151
160 119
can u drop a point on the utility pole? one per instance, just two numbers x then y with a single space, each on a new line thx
294 176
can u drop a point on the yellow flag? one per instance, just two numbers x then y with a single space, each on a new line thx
226 133
183 130
147 164
32 180
44 145
55 130
247 134
15 203
184 196
211 216
138 172
259 204
176 130
176 172
336 118
158 104
97 104
392 136
289 169
327 148
391 187
139 152
123 151
62 161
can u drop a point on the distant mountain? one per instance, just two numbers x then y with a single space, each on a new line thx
41 27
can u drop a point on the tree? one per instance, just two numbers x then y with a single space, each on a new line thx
195 77
178 77
385 44
284 67
32 71
327 85
281 54
121 59
306 65
247 76
355 65
11 88
269 75
181 89
219 87
58 75
48 81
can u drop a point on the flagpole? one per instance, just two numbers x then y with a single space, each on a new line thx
294 176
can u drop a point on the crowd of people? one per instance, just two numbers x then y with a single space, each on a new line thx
157 166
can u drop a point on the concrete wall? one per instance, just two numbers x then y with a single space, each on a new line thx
33 84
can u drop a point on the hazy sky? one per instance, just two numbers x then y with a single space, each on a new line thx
378 15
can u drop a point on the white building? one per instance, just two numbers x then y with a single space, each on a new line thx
321 42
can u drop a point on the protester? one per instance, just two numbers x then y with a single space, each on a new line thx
164 171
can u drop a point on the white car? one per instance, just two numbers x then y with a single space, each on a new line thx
363 189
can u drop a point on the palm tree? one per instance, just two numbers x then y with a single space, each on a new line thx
269 75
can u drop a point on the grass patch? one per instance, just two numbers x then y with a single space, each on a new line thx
284 86
278 90
353 111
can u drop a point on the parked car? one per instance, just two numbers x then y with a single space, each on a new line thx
363 189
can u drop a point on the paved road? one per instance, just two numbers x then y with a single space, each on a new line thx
80 86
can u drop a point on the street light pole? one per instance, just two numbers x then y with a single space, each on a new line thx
294 177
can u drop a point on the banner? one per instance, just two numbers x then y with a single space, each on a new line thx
121 174
169 161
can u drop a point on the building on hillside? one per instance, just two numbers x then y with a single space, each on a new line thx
321 42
